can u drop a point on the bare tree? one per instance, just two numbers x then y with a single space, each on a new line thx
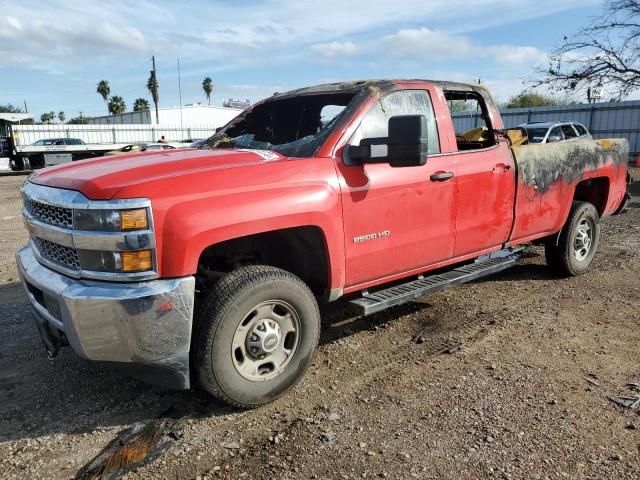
605 54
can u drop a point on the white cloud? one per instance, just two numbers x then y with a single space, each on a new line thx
424 42
231 31
29 42
514 55
334 49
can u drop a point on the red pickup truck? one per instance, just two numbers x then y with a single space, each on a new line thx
207 265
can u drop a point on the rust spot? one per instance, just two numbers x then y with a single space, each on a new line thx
606 143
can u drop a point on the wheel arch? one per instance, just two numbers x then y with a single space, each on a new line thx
594 191
302 250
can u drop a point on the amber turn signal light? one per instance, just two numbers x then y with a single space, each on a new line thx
134 219
139 261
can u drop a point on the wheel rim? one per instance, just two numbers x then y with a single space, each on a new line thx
266 340
584 239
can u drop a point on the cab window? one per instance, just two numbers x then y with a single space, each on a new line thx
478 135
374 128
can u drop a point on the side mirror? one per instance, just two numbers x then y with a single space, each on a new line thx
406 145
554 138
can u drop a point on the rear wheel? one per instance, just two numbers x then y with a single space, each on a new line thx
572 252
257 331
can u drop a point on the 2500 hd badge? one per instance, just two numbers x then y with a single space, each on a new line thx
371 236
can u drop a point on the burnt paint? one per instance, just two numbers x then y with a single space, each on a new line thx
541 166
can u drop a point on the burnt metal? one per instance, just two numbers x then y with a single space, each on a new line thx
541 166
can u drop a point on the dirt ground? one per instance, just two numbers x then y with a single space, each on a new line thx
526 397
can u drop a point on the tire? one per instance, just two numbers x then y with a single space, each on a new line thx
229 323
567 253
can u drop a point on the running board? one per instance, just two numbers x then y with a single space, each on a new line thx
374 302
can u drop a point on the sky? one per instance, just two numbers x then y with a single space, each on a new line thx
53 53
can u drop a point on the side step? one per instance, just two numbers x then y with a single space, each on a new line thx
374 302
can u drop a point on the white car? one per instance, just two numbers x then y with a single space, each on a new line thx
548 132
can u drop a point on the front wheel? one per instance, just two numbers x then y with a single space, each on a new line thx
257 331
572 252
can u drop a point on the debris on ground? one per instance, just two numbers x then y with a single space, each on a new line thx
454 346
328 438
626 402
134 447
592 379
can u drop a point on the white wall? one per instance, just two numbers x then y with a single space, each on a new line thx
192 115
110 134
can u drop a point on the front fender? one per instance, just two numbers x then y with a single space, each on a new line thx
189 227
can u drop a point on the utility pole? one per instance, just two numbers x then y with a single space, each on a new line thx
180 95
155 78
25 107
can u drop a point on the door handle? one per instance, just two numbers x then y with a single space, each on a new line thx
441 176
501 168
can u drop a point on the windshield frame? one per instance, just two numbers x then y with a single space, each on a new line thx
314 144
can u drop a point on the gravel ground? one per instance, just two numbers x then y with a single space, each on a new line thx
526 397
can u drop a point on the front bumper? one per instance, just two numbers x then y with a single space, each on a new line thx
144 326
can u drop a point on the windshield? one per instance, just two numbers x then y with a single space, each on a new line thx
294 126
536 135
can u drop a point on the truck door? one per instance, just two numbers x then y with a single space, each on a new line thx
397 219
486 178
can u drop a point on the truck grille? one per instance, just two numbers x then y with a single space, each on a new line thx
64 256
58 216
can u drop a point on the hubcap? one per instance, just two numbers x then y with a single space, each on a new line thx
584 239
266 340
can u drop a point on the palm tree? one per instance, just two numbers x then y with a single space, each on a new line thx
152 85
207 86
44 118
52 117
104 90
61 116
117 105
140 105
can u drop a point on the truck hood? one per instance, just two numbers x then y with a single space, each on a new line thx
102 178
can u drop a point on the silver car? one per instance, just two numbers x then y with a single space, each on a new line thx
548 132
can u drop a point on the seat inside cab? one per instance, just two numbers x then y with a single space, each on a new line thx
480 135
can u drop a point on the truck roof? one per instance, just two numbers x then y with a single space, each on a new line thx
355 86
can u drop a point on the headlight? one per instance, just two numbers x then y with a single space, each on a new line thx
111 220
116 262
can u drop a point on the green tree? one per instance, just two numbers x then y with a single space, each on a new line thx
79 120
117 105
207 86
605 53
9 108
140 105
104 90
47 117
532 99
152 86
61 116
